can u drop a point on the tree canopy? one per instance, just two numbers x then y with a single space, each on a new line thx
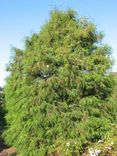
57 94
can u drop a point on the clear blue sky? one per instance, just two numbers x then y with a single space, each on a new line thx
20 18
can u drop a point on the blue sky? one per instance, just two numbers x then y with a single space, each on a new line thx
20 18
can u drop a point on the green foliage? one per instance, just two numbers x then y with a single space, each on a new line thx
2 111
1 96
106 146
2 119
57 94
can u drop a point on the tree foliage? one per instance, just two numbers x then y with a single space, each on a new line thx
1 96
2 111
57 94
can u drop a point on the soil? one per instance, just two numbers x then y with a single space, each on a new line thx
5 150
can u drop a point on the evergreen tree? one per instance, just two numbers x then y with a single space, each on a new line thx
57 94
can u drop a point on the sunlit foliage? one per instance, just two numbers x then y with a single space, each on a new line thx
59 88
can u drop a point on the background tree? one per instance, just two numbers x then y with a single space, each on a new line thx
2 118
57 94
1 95
2 112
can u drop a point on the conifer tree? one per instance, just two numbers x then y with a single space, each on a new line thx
57 94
